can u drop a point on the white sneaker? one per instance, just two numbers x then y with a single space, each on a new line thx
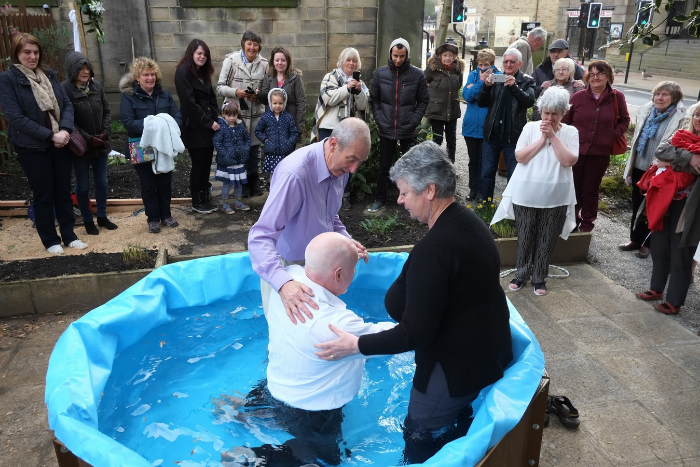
55 249
78 244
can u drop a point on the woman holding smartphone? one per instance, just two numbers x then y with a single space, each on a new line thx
342 95
474 117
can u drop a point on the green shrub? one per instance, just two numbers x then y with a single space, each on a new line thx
504 228
382 225
52 41
486 210
117 127
615 186
136 257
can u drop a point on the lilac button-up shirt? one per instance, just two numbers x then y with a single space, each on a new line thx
304 201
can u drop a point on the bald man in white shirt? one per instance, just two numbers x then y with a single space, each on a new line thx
307 393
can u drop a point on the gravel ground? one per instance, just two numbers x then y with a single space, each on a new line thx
622 267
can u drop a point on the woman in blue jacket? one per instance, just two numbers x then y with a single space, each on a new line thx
40 116
143 95
474 117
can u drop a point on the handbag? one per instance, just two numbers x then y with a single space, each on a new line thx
620 144
77 143
138 154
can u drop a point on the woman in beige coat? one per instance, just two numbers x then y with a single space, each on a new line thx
241 77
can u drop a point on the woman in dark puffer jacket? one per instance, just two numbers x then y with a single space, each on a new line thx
444 77
93 121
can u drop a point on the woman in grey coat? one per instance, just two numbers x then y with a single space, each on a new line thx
92 120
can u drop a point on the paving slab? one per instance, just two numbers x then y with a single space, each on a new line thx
610 298
629 434
686 357
682 417
654 328
599 334
564 305
585 382
564 447
645 372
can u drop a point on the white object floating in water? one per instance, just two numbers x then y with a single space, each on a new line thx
240 308
196 359
120 430
180 395
206 315
158 462
237 345
141 410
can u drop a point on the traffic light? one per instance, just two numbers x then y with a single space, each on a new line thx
594 15
644 13
457 11
583 15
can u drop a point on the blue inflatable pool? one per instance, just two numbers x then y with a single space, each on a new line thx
82 360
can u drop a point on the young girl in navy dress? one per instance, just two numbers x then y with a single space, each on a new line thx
277 130
232 144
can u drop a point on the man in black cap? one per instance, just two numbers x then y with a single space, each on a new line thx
544 71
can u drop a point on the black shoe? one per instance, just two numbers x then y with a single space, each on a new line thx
472 194
204 208
153 227
106 223
169 222
91 229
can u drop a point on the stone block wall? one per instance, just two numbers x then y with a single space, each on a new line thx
315 32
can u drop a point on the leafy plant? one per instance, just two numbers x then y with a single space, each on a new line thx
504 228
136 257
93 9
117 127
116 161
52 40
382 225
486 210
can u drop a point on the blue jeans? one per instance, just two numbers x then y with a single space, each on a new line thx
490 153
82 184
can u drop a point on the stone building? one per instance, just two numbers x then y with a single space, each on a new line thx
315 31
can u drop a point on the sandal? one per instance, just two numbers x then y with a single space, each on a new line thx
667 309
515 285
650 295
539 286
562 407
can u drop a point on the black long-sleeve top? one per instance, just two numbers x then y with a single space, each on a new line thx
450 306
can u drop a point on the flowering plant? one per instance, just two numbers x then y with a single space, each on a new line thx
92 10
486 209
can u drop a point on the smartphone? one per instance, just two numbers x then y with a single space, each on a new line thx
499 78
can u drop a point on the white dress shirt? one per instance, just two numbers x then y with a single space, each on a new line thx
295 375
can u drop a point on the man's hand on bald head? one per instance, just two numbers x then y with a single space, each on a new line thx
330 261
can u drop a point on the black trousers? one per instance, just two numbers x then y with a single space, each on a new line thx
450 131
672 263
474 150
640 233
387 147
316 433
49 175
201 168
155 192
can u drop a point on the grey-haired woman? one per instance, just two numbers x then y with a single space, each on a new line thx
656 123
540 195
449 305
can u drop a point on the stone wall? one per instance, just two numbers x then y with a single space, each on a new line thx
315 32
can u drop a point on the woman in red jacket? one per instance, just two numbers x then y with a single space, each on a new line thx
593 114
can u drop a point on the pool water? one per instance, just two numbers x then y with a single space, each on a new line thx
175 397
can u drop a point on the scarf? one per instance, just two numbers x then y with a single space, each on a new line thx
684 139
651 125
43 93
85 88
448 68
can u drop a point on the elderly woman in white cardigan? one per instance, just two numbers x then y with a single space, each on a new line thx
656 123
540 195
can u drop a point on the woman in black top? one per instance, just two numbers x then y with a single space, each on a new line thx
199 111
40 117
448 303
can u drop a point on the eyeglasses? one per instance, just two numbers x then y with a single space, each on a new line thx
696 116
510 62
596 75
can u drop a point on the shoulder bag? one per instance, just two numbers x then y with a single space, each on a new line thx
77 143
620 144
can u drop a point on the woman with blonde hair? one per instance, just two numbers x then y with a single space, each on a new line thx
40 116
341 96
143 95
672 247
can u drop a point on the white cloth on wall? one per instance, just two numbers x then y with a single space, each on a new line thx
76 34
162 133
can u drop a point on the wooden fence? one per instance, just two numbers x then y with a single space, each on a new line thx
15 18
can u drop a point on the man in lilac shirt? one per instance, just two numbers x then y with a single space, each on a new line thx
305 196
